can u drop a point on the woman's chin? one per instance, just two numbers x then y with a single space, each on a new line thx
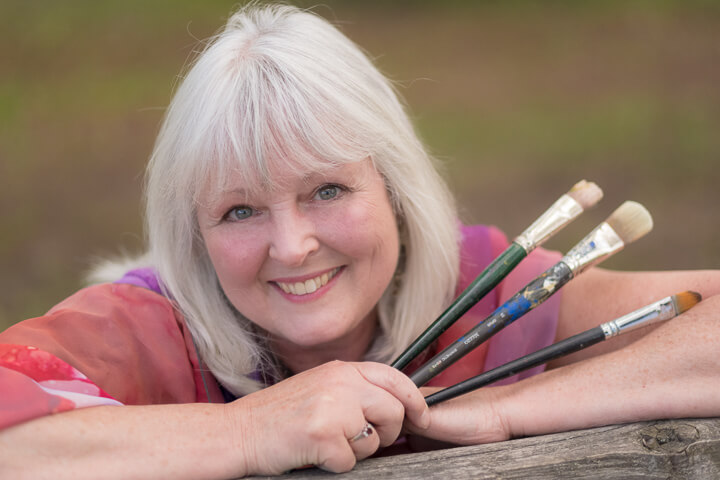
314 338
320 336
334 335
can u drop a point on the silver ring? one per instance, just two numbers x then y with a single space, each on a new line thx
367 430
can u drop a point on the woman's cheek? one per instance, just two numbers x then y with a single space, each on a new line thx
234 253
357 224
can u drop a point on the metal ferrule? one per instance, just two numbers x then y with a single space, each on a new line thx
562 212
659 311
593 249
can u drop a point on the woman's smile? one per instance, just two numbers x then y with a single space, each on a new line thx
295 288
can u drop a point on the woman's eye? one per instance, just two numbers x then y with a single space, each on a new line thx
328 192
240 213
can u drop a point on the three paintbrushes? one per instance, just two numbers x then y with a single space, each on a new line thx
628 223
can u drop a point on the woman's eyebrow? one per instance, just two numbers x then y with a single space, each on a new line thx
233 191
328 171
220 197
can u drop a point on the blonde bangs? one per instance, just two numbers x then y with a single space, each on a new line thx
259 111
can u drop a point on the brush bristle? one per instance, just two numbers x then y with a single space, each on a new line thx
586 193
630 221
686 300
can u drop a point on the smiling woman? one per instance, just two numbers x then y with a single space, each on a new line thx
297 231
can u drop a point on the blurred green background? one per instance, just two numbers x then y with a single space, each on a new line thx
520 99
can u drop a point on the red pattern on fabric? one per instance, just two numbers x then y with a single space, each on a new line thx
35 382
23 399
37 364
47 370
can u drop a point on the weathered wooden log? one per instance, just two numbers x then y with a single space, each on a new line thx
682 449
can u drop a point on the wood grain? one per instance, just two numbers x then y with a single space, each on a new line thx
684 449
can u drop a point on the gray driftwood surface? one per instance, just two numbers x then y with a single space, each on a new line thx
687 448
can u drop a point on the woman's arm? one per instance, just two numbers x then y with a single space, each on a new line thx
306 419
600 295
672 371
160 441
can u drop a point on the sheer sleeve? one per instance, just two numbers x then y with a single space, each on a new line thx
109 344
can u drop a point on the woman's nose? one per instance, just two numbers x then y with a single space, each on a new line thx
293 237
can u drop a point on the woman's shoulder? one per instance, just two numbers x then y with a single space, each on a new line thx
113 297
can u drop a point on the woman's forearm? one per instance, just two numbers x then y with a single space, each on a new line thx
672 372
193 441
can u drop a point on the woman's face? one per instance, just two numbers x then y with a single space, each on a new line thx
309 260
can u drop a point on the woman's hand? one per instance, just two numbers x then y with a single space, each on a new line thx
470 419
310 417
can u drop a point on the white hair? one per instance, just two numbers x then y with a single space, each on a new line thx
280 82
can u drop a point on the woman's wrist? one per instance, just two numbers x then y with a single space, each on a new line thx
477 417
542 404
238 429
494 401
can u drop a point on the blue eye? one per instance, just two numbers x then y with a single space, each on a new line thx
328 192
240 213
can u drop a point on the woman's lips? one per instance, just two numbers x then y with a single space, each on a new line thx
307 286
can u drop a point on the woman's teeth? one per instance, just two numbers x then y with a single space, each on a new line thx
310 285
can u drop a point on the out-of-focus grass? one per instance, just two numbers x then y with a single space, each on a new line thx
519 98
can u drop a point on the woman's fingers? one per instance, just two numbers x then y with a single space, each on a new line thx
450 419
382 394
385 413
365 442
400 387
336 458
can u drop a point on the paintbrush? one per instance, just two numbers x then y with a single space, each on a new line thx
662 310
581 196
626 224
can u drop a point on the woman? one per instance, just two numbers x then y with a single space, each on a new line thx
299 237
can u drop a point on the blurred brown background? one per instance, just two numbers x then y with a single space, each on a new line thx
520 99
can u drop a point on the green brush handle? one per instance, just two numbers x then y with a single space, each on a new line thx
483 283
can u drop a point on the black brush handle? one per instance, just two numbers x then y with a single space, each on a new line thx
544 355
522 302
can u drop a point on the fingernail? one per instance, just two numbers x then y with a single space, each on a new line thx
425 418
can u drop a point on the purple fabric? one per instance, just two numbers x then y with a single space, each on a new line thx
142 277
